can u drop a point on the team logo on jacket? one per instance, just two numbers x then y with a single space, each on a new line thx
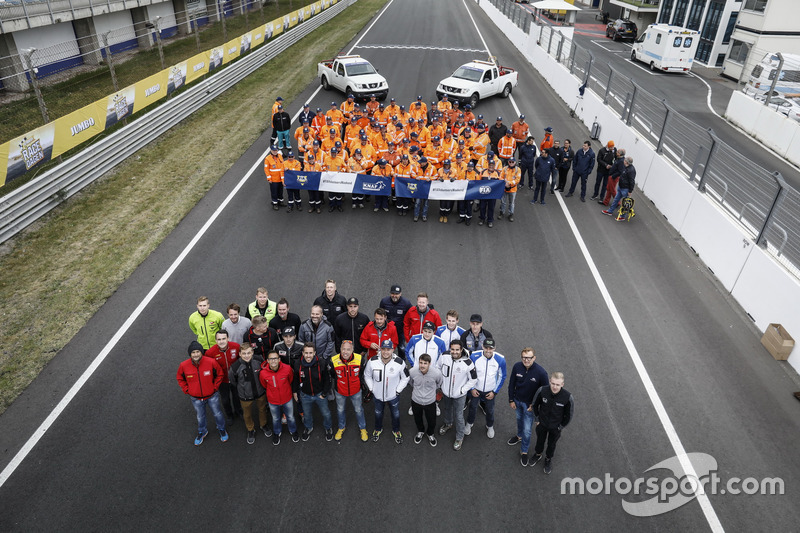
207 372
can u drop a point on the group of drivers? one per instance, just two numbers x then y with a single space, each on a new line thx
440 142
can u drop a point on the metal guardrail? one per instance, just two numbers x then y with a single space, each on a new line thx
23 206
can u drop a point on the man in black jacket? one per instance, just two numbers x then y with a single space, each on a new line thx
564 162
627 181
332 303
243 377
313 382
348 326
282 123
553 408
305 115
605 159
496 132
283 318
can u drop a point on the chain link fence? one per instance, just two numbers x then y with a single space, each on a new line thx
78 72
760 200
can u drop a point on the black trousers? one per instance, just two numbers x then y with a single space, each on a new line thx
562 177
430 416
551 435
230 400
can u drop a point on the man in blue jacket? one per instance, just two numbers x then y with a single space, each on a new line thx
527 157
582 166
544 170
525 379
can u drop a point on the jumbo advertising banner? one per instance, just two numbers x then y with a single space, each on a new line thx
348 183
36 147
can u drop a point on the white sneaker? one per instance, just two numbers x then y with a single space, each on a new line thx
438 411
411 411
467 429
490 432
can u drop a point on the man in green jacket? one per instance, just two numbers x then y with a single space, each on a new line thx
205 323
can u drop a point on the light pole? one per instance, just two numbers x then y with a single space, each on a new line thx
154 25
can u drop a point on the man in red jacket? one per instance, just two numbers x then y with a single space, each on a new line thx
416 316
226 353
378 331
200 377
277 377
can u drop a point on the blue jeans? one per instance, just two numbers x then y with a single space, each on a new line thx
507 203
215 403
341 403
284 140
286 409
308 418
417 203
621 193
473 409
394 409
524 424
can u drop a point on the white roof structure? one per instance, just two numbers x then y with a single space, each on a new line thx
555 5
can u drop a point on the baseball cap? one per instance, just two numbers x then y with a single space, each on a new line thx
391 100
428 325
395 289
522 117
352 301
488 343
280 107
350 96
273 148
476 318
422 160
279 99
387 344
357 152
499 118
288 330
333 104
290 154
305 105
548 129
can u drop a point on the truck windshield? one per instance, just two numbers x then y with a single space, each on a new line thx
360 69
468 73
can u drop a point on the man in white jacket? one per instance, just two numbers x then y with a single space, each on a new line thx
386 376
458 378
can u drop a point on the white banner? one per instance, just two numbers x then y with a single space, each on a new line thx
447 190
337 182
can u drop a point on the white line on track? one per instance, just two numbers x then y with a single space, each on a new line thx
708 94
416 47
644 376
95 364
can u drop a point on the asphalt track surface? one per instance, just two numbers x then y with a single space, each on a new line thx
120 455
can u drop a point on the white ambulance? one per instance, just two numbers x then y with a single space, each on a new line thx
666 48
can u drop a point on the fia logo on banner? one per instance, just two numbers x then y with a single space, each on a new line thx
483 189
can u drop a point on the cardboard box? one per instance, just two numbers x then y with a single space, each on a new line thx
778 342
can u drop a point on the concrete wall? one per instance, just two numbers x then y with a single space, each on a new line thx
120 26
43 37
780 133
764 289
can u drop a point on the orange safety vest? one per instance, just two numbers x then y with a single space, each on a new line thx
520 130
506 146
512 175
273 168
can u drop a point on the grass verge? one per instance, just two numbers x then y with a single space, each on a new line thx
65 267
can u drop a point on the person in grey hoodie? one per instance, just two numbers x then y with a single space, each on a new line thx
425 380
243 377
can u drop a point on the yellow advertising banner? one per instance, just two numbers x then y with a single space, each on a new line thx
277 27
150 90
79 126
258 36
293 18
232 50
120 105
3 168
316 7
246 43
30 151
197 66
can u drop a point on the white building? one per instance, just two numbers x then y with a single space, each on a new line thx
714 19
763 26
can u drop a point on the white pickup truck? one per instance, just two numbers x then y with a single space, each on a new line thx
352 75
477 80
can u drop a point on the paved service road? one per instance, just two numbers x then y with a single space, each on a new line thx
686 94
120 456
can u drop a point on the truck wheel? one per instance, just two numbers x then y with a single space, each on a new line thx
506 90
633 55
473 100
652 66
325 84
348 91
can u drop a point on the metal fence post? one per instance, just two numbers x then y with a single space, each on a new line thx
608 84
550 42
110 62
663 127
560 45
701 184
572 53
774 79
630 107
588 68
761 239
196 30
28 54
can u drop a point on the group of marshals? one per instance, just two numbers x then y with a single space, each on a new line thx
442 363
441 143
